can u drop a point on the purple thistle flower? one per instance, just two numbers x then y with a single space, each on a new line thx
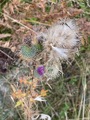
41 70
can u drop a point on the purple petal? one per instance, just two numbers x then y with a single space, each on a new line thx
41 70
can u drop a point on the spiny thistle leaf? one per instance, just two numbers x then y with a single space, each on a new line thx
28 52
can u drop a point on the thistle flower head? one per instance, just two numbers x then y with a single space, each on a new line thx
40 70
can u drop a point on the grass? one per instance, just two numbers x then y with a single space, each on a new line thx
68 95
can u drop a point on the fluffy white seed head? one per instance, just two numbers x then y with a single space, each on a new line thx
61 42
63 38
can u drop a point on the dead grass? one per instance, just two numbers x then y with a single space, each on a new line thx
68 96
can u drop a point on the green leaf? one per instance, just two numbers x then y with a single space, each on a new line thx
39 47
28 52
36 74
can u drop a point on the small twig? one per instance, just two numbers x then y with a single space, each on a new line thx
16 21
6 54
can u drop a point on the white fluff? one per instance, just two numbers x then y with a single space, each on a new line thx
39 98
64 39
61 42
61 52
42 117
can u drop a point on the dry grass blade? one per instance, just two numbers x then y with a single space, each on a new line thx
4 36
16 21
6 54
47 81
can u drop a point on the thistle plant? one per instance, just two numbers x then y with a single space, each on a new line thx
61 43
